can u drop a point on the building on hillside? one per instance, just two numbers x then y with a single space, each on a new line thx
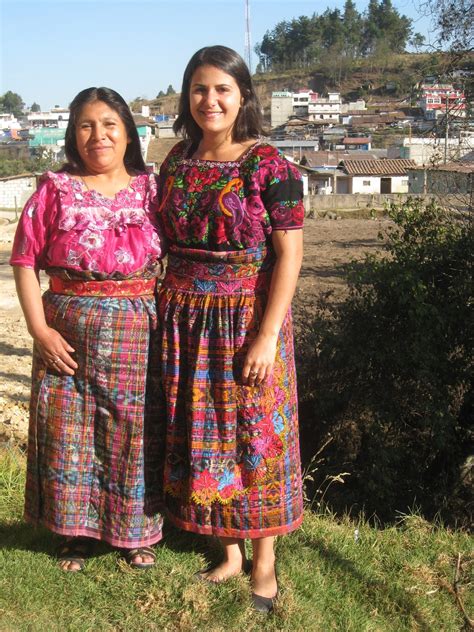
9 122
307 104
325 108
373 176
48 139
432 151
438 99
295 148
354 107
301 101
56 117
164 123
281 108
357 142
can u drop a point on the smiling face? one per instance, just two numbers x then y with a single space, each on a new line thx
101 137
214 100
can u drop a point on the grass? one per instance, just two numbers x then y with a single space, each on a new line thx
395 579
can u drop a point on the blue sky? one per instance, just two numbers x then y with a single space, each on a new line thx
52 49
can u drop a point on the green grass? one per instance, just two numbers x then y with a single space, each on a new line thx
394 579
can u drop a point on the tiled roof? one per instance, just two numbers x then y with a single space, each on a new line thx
458 167
158 149
333 158
382 167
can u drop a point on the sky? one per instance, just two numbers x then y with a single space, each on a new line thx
52 49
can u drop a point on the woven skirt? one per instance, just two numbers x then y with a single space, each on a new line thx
232 464
94 451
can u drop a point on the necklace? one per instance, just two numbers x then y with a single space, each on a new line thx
89 189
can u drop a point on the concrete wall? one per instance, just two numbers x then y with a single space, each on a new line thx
281 110
16 190
361 202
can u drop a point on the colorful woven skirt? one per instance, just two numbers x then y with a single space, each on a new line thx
232 463
94 453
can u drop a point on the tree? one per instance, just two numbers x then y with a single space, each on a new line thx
12 103
160 94
35 107
170 90
352 29
453 20
417 41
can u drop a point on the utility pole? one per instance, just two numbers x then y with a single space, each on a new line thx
248 45
446 132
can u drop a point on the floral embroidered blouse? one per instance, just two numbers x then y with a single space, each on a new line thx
64 225
224 206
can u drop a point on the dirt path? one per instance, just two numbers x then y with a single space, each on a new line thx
329 244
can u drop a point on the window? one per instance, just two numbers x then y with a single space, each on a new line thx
366 183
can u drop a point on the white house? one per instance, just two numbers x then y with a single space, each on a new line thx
56 117
328 109
8 121
374 176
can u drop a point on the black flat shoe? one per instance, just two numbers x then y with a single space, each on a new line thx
263 604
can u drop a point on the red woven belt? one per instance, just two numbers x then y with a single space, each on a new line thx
127 287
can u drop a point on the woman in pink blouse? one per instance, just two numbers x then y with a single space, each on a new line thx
93 457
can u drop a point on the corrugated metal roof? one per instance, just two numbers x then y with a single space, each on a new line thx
381 167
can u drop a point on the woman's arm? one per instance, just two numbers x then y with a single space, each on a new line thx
288 246
53 348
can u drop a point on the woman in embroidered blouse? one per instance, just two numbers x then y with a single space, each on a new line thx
93 471
231 208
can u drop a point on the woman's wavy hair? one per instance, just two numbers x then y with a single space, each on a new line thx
249 121
133 158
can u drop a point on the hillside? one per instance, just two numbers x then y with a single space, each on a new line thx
390 78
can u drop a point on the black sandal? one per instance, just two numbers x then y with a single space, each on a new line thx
75 550
263 604
129 554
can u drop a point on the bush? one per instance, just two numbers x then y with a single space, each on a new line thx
388 373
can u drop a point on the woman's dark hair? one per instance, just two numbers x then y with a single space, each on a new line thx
133 158
249 121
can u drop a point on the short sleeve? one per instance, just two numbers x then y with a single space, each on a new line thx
281 191
30 243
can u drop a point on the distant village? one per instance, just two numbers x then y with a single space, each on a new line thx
334 144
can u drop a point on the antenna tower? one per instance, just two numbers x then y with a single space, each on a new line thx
248 46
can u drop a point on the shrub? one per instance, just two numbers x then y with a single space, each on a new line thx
387 373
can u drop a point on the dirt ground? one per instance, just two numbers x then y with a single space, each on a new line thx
329 244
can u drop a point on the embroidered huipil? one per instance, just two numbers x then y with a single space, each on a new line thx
64 225
232 465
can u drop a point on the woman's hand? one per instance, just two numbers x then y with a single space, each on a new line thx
53 348
55 351
288 246
259 360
